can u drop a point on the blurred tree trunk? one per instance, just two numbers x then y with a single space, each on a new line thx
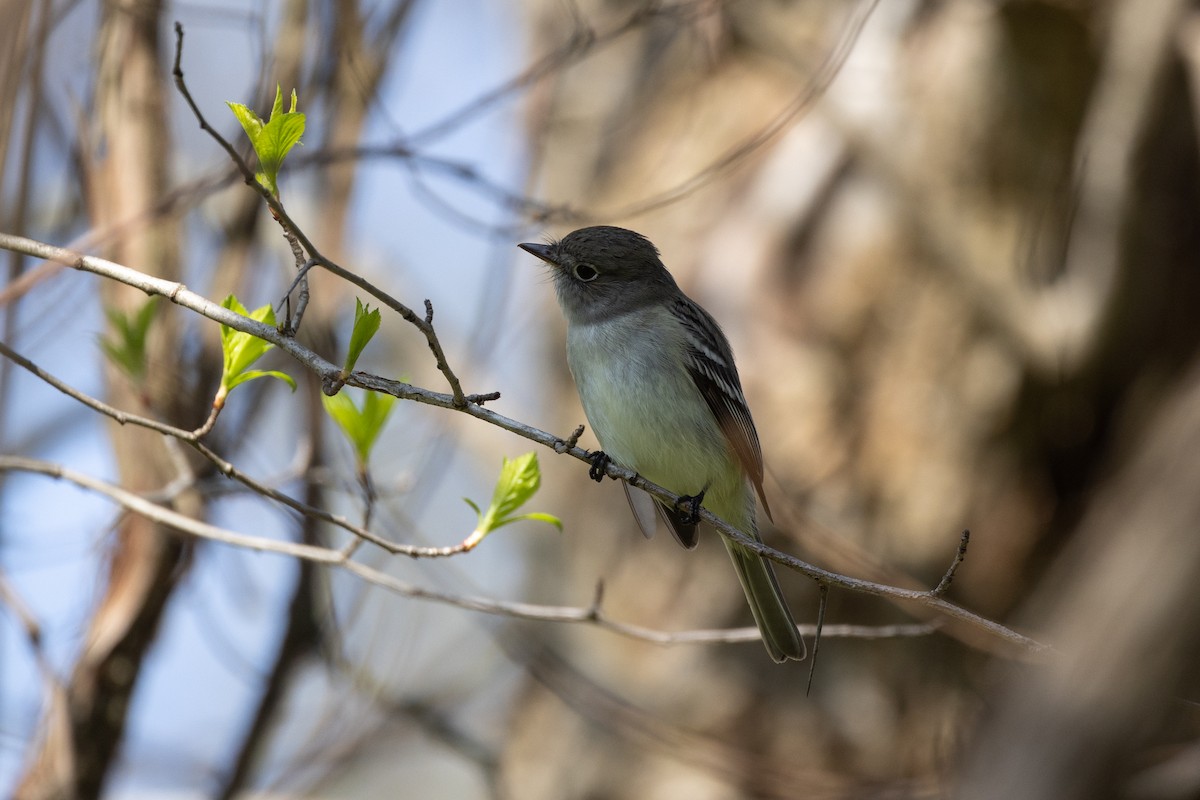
128 153
958 286
347 81
1123 609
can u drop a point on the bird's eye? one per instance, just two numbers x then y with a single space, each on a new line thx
585 273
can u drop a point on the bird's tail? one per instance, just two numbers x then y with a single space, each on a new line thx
770 610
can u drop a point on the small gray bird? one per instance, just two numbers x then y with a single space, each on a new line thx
659 387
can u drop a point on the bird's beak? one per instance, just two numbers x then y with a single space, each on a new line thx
543 251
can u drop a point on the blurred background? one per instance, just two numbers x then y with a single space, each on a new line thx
955 246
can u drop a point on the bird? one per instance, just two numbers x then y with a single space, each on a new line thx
658 384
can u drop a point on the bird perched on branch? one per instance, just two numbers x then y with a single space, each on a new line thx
659 387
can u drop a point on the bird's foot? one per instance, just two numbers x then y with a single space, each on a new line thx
689 506
599 468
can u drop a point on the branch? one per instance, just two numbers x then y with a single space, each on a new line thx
592 615
811 92
959 554
278 212
331 377
227 468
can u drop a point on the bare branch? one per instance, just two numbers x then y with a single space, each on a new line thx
23 614
322 555
226 468
959 555
830 67
179 294
169 517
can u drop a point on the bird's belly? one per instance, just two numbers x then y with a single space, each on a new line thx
648 415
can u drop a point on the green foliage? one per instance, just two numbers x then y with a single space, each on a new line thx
271 139
366 324
240 350
519 480
126 345
361 425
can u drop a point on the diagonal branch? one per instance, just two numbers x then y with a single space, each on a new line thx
332 378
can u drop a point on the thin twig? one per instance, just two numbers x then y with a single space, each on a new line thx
812 91
570 441
292 318
207 426
281 215
29 625
822 605
959 555
22 612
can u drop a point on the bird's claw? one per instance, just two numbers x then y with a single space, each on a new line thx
689 506
599 468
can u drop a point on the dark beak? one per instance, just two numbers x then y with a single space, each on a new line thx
543 251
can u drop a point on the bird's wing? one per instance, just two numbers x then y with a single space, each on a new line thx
710 363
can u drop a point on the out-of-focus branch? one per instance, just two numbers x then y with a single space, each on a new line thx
23 614
815 87
126 167
303 636
1122 608
16 49
1069 313
1055 327
56 720
582 41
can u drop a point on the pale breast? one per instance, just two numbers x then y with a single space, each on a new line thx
643 406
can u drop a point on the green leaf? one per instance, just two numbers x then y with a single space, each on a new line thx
537 516
273 139
519 480
361 426
366 324
252 124
262 373
126 346
239 350
342 409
